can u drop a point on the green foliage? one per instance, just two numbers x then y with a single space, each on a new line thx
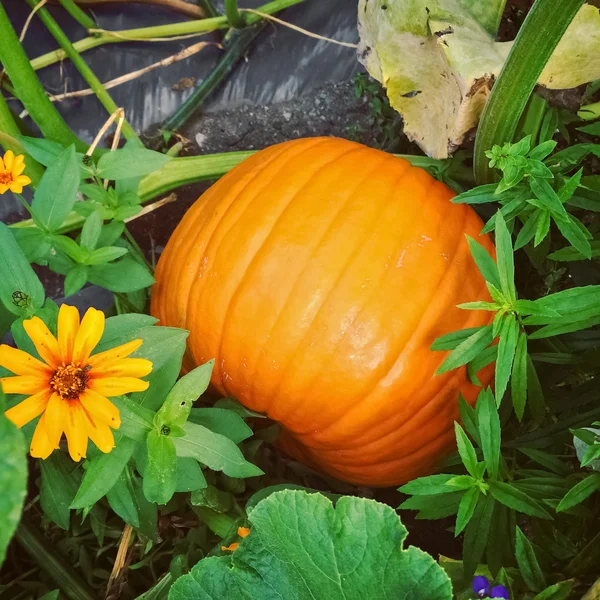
300 546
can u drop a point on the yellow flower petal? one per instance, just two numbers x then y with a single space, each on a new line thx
101 409
24 384
76 430
243 532
29 409
101 434
40 444
15 188
55 417
22 179
68 326
9 160
125 367
2 167
3 187
114 354
88 336
117 386
230 548
21 363
45 343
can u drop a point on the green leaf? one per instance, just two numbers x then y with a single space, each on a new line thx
20 288
465 449
528 563
519 377
101 256
428 486
126 275
301 547
546 148
527 231
476 535
215 451
110 233
489 431
463 482
516 499
223 421
485 263
467 507
478 195
468 350
176 408
126 163
434 507
570 185
469 419
56 194
590 455
453 339
13 477
122 499
164 347
507 347
43 150
75 279
136 421
552 463
160 478
213 498
90 232
58 488
574 234
578 493
542 228
124 328
33 242
592 129
548 197
189 475
559 591
571 254
237 408
505 259
102 473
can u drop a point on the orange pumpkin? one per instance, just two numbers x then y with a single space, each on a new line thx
318 273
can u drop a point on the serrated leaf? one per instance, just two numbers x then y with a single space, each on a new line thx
507 346
575 235
453 339
428 486
542 227
465 449
468 350
527 231
467 507
548 197
485 263
578 493
505 259
489 431
519 377
517 500
290 530
476 535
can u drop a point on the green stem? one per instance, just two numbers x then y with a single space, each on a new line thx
589 112
30 90
9 129
81 66
78 14
539 35
239 44
145 33
137 250
233 15
193 169
532 119
49 561
209 8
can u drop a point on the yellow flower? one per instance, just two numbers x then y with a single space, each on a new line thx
10 173
70 388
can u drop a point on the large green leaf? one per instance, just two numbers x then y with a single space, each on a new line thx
13 478
301 547
58 488
438 60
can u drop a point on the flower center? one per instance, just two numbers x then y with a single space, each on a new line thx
5 178
70 381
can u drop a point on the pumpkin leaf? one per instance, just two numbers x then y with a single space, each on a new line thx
301 547
13 477
438 60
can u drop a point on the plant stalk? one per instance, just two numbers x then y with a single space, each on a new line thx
233 15
78 14
9 129
208 7
539 35
239 44
49 561
81 66
30 90
158 31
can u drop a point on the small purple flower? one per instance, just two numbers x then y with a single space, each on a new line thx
498 592
481 586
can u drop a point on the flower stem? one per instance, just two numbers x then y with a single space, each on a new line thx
79 15
30 90
233 15
9 129
49 561
539 35
147 33
81 65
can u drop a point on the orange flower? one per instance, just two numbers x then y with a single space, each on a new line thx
10 173
242 532
70 388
